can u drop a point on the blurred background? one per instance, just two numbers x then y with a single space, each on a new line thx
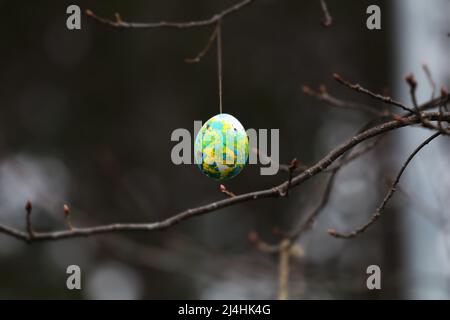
86 118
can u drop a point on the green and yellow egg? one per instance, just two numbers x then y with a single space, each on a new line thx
221 147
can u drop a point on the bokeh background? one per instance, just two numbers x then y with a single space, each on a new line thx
86 118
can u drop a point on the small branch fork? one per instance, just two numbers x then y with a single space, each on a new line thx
357 87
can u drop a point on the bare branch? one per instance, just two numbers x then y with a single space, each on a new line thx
357 154
202 53
357 87
119 23
29 209
388 196
291 169
427 71
223 189
412 89
66 210
261 245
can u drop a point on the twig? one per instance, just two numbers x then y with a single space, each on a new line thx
412 89
327 20
323 95
357 87
219 63
66 210
286 247
357 154
291 169
261 245
427 71
282 166
119 23
202 53
298 231
223 189
388 196
29 209
273 192
442 108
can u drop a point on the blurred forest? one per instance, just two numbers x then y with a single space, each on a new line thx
86 118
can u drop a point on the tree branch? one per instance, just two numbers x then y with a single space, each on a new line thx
357 87
429 76
412 83
357 154
323 95
119 23
273 192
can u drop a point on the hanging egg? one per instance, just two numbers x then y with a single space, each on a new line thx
221 147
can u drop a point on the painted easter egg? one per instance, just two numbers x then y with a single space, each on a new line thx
221 147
